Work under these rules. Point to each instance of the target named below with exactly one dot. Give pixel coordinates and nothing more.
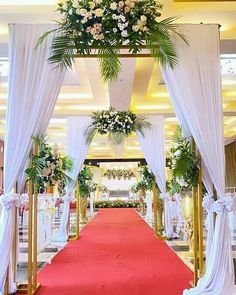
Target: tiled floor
(48, 253)
(180, 246)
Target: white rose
(91, 5)
(121, 4)
(75, 3)
(114, 16)
(143, 18)
(70, 11)
(124, 33)
(135, 28)
(113, 5)
(83, 11)
(115, 30)
(127, 2)
(98, 1)
(99, 12)
(64, 6)
(84, 20)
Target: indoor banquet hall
(118, 147)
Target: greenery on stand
(48, 167)
(104, 26)
(117, 124)
(117, 204)
(119, 173)
(86, 184)
(184, 165)
(146, 182)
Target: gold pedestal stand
(198, 255)
(157, 230)
(32, 285)
(76, 236)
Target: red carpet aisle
(117, 254)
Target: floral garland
(184, 165)
(119, 173)
(48, 167)
(117, 125)
(106, 25)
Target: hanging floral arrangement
(119, 174)
(117, 125)
(48, 167)
(183, 165)
(104, 26)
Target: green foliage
(104, 26)
(119, 173)
(147, 180)
(86, 184)
(184, 165)
(117, 204)
(47, 167)
(117, 125)
(102, 188)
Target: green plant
(86, 184)
(117, 125)
(117, 204)
(118, 173)
(104, 26)
(102, 188)
(184, 164)
(47, 167)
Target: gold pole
(30, 238)
(200, 221)
(155, 200)
(35, 231)
(77, 209)
(195, 228)
(6, 285)
(14, 246)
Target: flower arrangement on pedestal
(48, 167)
(117, 124)
(183, 165)
(119, 173)
(104, 26)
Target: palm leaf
(110, 65)
(62, 51)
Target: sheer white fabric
(76, 149)
(195, 89)
(148, 200)
(153, 146)
(33, 89)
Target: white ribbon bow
(10, 200)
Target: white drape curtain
(76, 149)
(33, 89)
(153, 146)
(195, 89)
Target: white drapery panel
(195, 90)
(33, 89)
(153, 146)
(76, 149)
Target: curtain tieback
(10, 200)
(223, 204)
(207, 202)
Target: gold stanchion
(200, 222)
(14, 245)
(77, 210)
(155, 192)
(195, 228)
(155, 201)
(35, 231)
(30, 239)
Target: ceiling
(83, 91)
